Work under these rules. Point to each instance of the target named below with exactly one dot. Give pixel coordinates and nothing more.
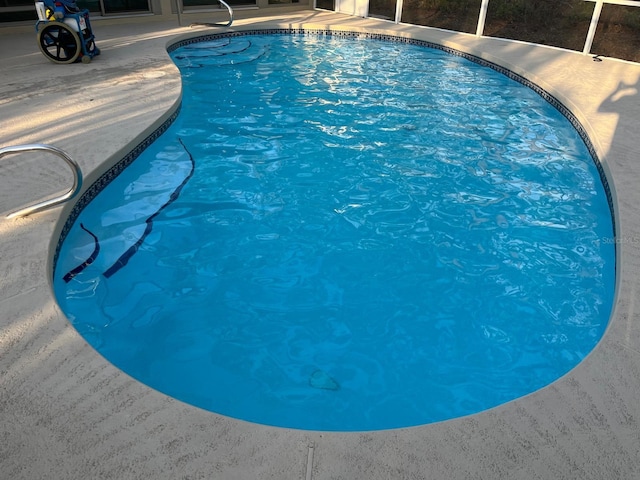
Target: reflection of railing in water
(180, 10)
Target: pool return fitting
(46, 204)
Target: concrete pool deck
(66, 413)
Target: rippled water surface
(346, 234)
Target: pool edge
(119, 161)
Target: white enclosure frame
(360, 8)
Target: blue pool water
(345, 234)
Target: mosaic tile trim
(114, 171)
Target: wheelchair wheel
(59, 43)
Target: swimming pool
(379, 324)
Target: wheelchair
(64, 32)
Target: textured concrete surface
(66, 413)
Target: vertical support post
(399, 5)
(482, 17)
(179, 10)
(595, 18)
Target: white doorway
(358, 8)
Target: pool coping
(88, 420)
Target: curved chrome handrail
(228, 24)
(72, 192)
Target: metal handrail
(72, 192)
(228, 24)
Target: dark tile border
(97, 186)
